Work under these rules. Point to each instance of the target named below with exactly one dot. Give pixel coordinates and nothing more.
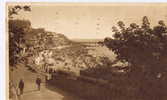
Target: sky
(90, 21)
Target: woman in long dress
(13, 91)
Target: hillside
(61, 53)
(48, 39)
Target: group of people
(21, 86)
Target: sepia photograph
(86, 51)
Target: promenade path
(30, 90)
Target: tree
(135, 44)
(14, 10)
(17, 30)
(145, 48)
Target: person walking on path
(38, 82)
(12, 91)
(21, 86)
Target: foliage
(144, 47)
(14, 10)
(17, 30)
